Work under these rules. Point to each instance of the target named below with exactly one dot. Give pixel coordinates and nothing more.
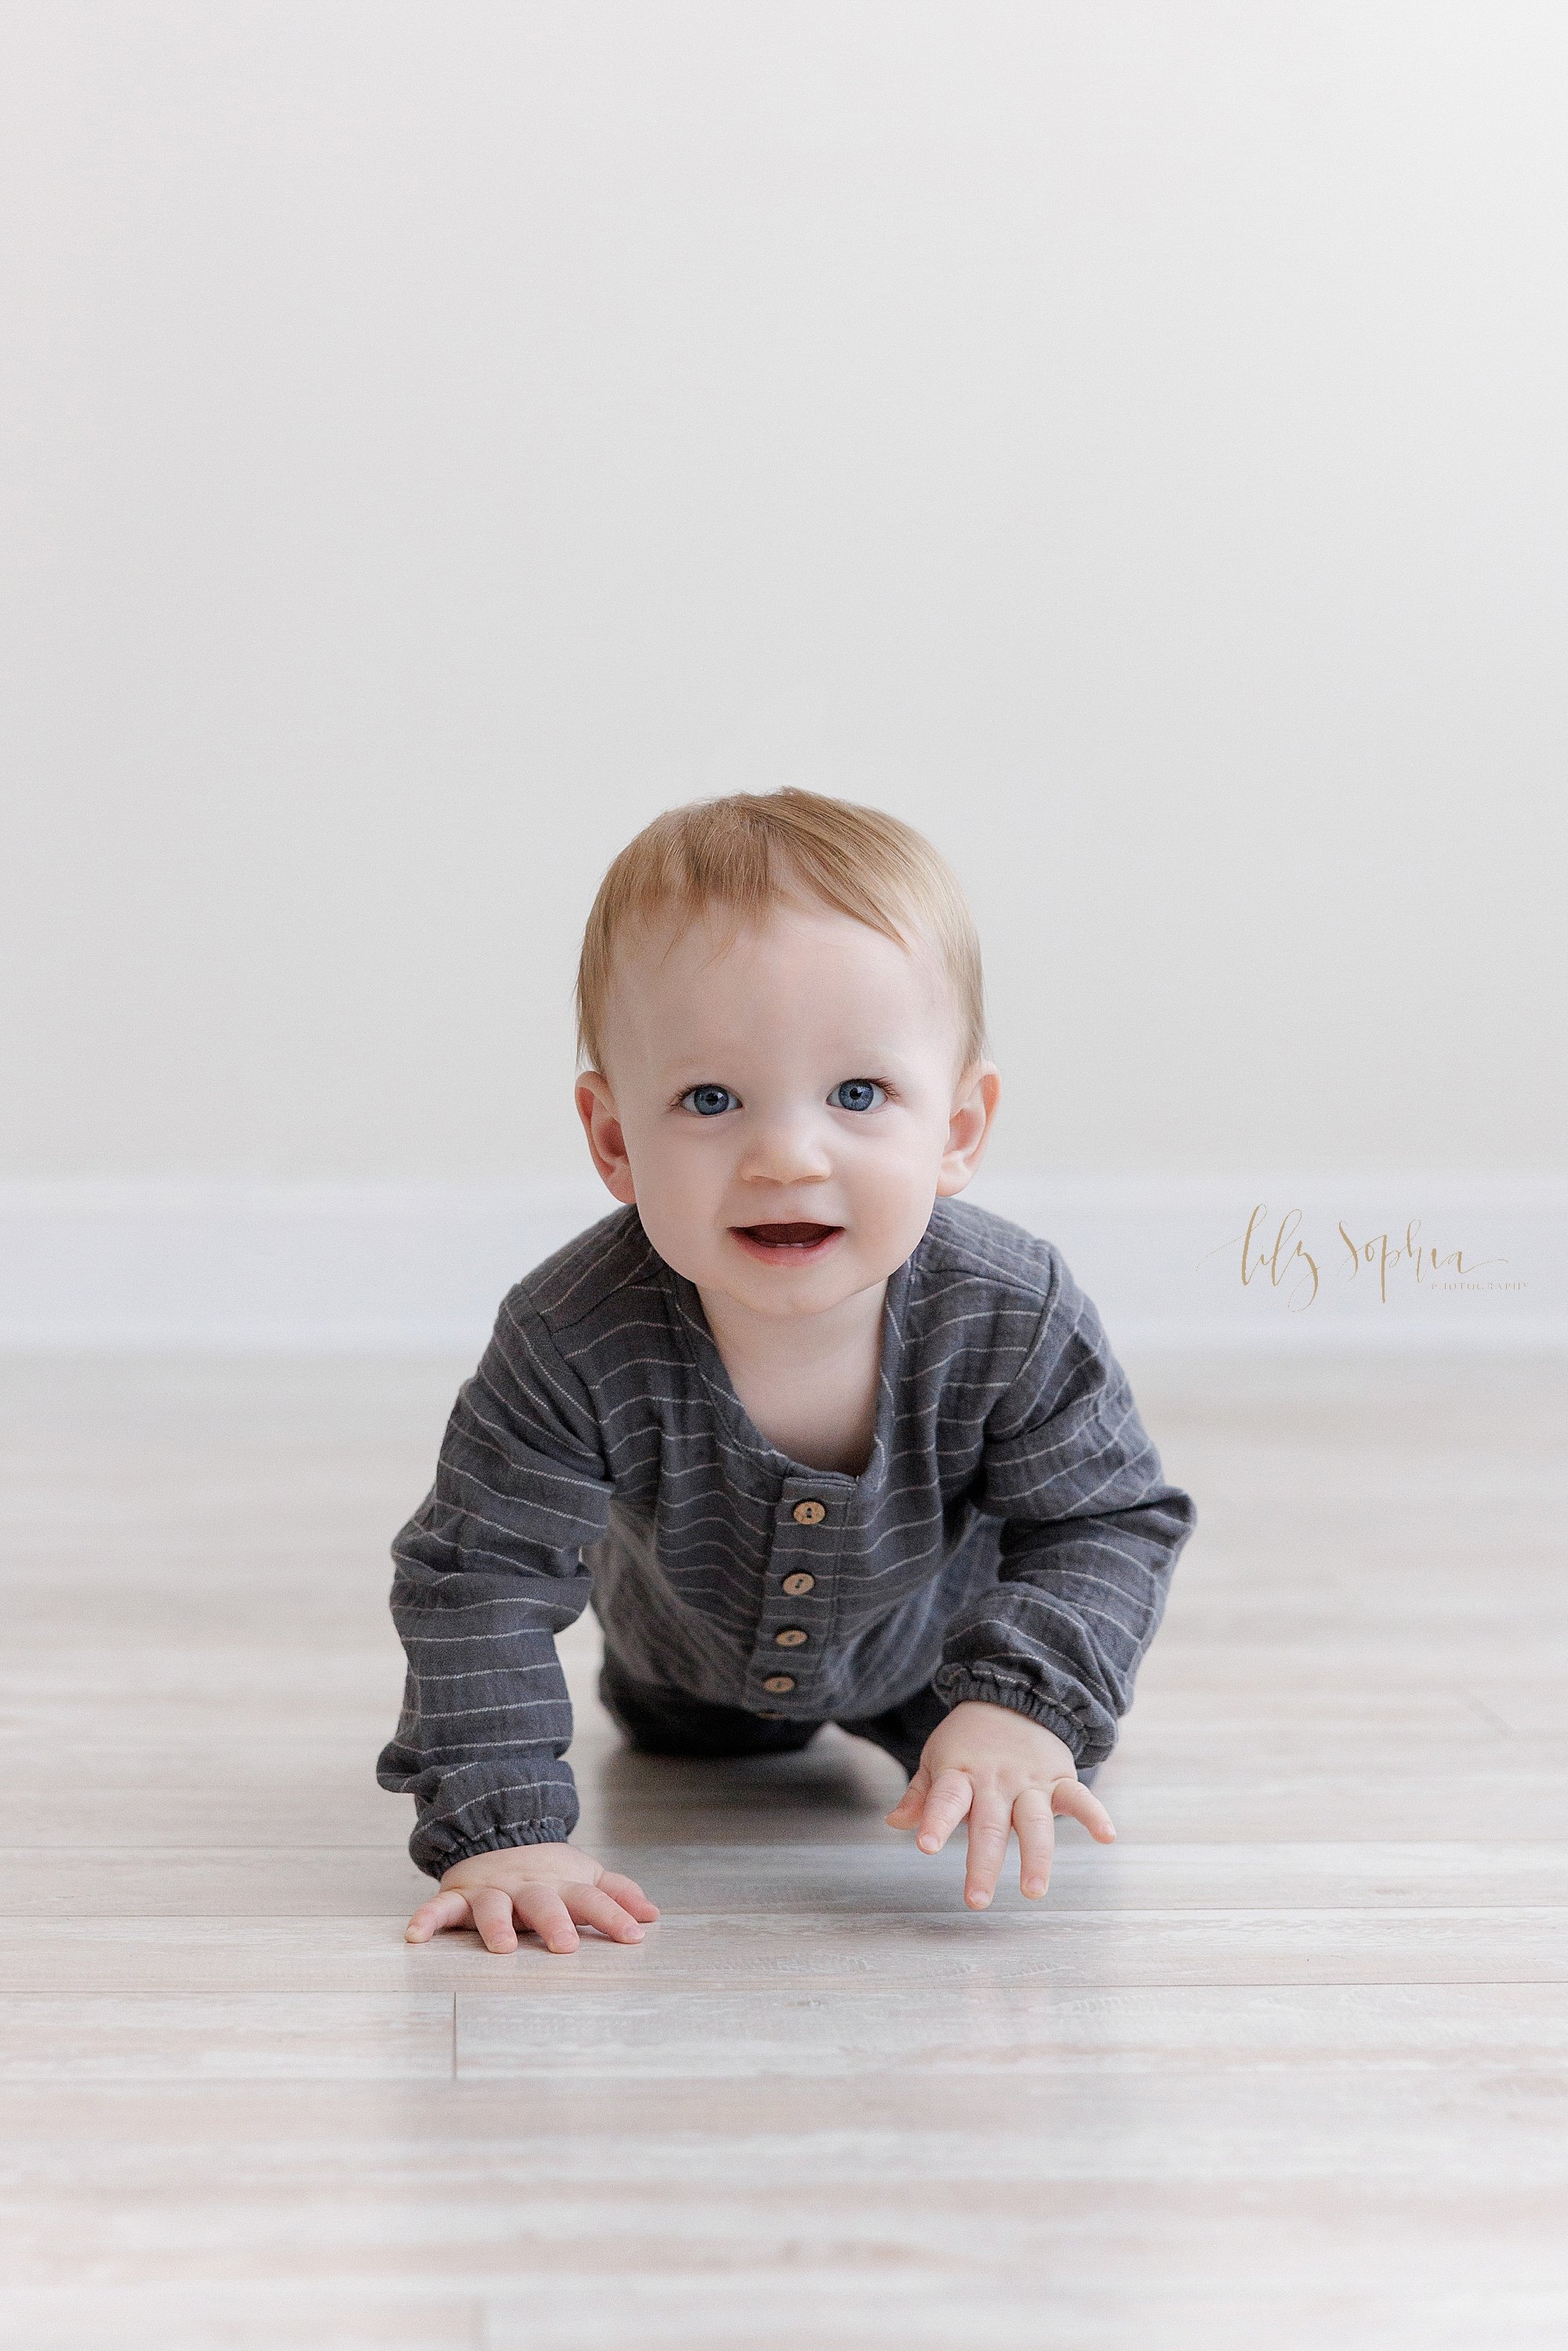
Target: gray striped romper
(1011, 1539)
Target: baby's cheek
(672, 1216)
(890, 1214)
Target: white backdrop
(1124, 439)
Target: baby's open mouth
(791, 1236)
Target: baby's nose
(787, 1150)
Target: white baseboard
(413, 1266)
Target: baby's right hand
(547, 1887)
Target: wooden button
(809, 1514)
(780, 1683)
(800, 1582)
(791, 1638)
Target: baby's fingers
(1037, 1841)
(492, 1912)
(911, 1803)
(630, 1895)
(950, 1798)
(441, 1910)
(989, 1826)
(1073, 1796)
(590, 1905)
(541, 1908)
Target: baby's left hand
(1004, 1773)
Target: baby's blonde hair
(750, 850)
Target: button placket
(796, 1605)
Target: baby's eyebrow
(862, 1065)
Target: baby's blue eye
(855, 1093)
(708, 1101)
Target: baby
(822, 1443)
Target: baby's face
(785, 1112)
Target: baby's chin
(788, 1277)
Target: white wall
(1125, 439)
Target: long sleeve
(488, 1570)
(1090, 1535)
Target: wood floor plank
(1272, 2294)
(1012, 1943)
(144, 2138)
(225, 2036)
(254, 2314)
(1087, 1875)
(323, 1882)
(854, 2310)
(1243, 1799)
(362, 2165)
(1527, 1798)
(655, 2033)
(1387, 2174)
(338, 1808)
(214, 1881)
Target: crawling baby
(820, 1441)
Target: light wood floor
(1287, 2066)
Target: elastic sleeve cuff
(437, 1853)
(1085, 1741)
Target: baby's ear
(606, 1141)
(975, 1100)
